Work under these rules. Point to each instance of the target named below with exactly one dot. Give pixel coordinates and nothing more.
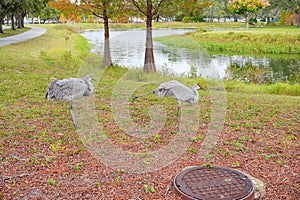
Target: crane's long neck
(194, 89)
(89, 84)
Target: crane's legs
(73, 116)
(178, 115)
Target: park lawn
(42, 156)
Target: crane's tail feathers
(136, 97)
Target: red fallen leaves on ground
(26, 176)
(42, 162)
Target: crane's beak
(201, 88)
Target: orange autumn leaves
(70, 11)
(246, 6)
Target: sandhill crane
(178, 91)
(70, 89)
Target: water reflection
(264, 70)
(127, 49)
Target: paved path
(32, 33)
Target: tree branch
(156, 10)
(139, 7)
(94, 6)
(291, 6)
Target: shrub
(252, 21)
(179, 18)
(188, 19)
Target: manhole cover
(212, 183)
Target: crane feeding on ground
(70, 89)
(178, 91)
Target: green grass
(27, 68)
(275, 40)
(27, 74)
(199, 26)
(10, 32)
(277, 88)
(156, 25)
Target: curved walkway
(32, 33)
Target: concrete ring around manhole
(213, 183)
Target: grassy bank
(281, 40)
(275, 89)
(181, 25)
(27, 67)
(164, 25)
(156, 25)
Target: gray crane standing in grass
(178, 91)
(70, 89)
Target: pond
(128, 47)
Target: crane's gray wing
(70, 89)
(176, 90)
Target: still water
(128, 47)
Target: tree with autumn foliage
(151, 9)
(70, 11)
(104, 9)
(246, 7)
(294, 7)
(287, 8)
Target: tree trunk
(1, 23)
(13, 26)
(149, 63)
(247, 21)
(20, 21)
(298, 3)
(106, 55)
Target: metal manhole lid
(212, 183)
